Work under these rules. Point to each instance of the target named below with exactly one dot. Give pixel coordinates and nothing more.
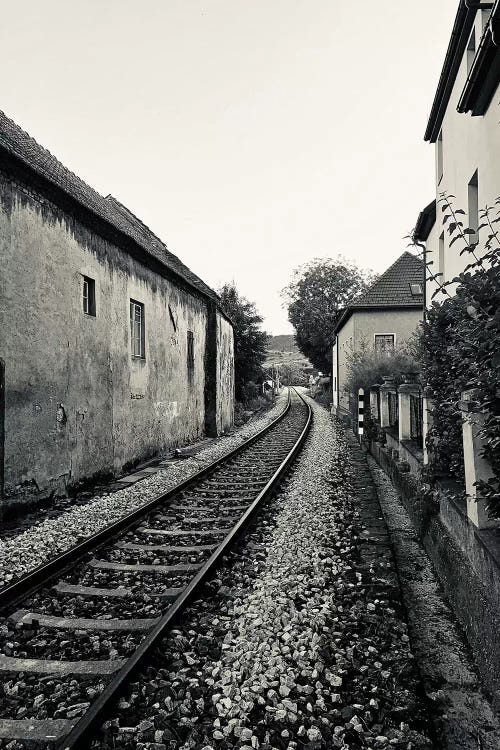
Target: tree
(319, 290)
(250, 342)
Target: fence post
(476, 467)
(405, 390)
(427, 418)
(386, 387)
(361, 412)
(374, 401)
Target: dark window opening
(473, 201)
(439, 145)
(137, 329)
(190, 354)
(172, 319)
(89, 296)
(384, 343)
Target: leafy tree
(319, 290)
(250, 342)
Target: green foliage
(318, 291)
(367, 367)
(293, 374)
(460, 350)
(250, 342)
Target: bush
(460, 352)
(366, 367)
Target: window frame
(190, 355)
(441, 258)
(140, 326)
(88, 299)
(381, 335)
(473, 208)
(439, 156)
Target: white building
(464, 126)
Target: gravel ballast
(301, 641)
(23, 552)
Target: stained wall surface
(78, 404)
(360, 329)
(225, 374)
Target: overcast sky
(250, 135)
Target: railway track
(75, 630)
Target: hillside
(283, 350)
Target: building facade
(464, 128)
(113, 349)
(384, 317)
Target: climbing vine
(460, 349)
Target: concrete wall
(77, 403)
(469, 144)
(360, 331)
(225, 374)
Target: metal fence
(416, 418)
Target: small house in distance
(384, 316)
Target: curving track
(81, 625)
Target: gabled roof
(484, 75)
(26, 150)
(392, 289)
(425, 222)
(462, 28)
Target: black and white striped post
(361, 412)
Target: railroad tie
(165, 547)
(35, 729)
(80, 623)
(59, 667)
(182, 532)
(69, 588)
(180, 568)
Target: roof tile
(20, 144)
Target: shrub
(460, 351)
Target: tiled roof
(392, 288)
(20, 144)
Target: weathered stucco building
(463, 126)
(384, 317)
(113, 349)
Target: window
(416, 290)
(439, 145)
(88, 296)
(190, 354)
(471, 50)
(137, 329)
(441, 258)
(384, 343)
(473, 209)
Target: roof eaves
(484, 75)
(416, 305)
(425, 222)
(97, 206)
(458, 42)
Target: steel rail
(79, 737)
(42, 574)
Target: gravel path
(302, 642)
(22, 552)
